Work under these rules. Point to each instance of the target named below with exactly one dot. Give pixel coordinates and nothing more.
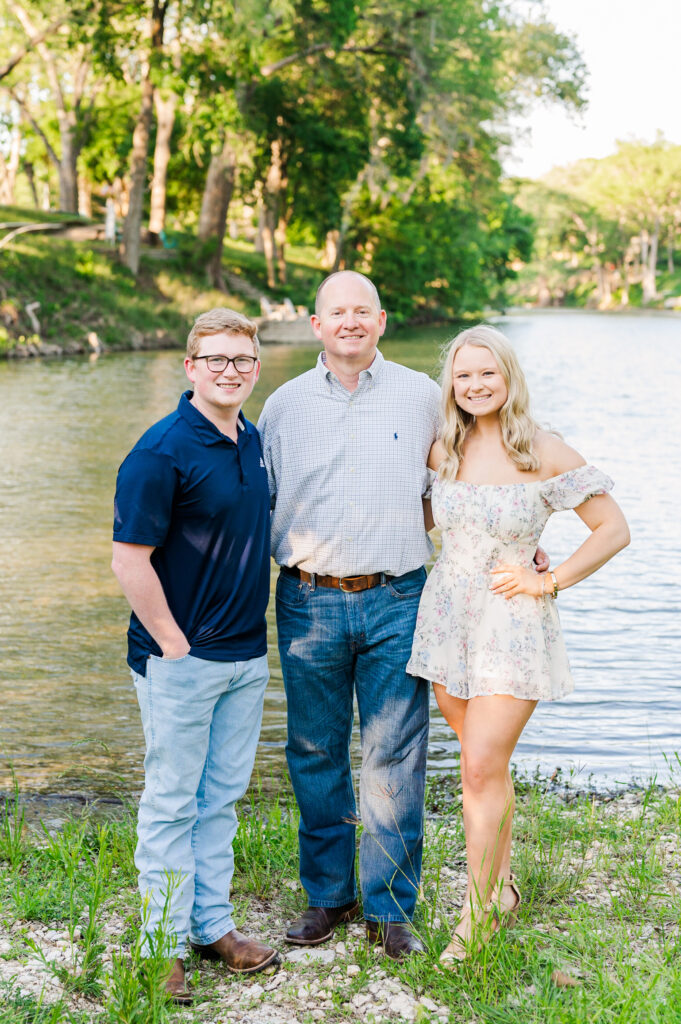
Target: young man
(346, 446)
(191, 552)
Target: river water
(69, 719)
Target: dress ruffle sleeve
(574, 487)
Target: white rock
(353, 970)
(404, 1006)
(275, 982)
(309, 956)
(429, 1004)
(340, 948)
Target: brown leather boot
(176, 985)
(317, 924)
(397, 939)
(240, 954)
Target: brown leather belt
(348, 584)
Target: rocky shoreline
(344, 980)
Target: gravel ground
(340, 979)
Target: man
(191, 552)
(345, 446)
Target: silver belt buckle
(342, 580)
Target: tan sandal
(459, 949)
(508, 917)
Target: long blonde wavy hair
(517, 425)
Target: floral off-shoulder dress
(474, 642)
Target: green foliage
(25, 1009)
(266, 843)
(363, 105)
(605, 228)
(454, 255)
(136, 990)
(81, 287)
(12, 847)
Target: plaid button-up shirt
(347, 470)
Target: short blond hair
(221, 321)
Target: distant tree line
(606, 229)
(369, 130)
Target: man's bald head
(319, 299)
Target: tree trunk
(649, 244)
(670, 251)
(131, 241)
(269, 250)
(259, 243)
(217, 196)
(10, 169)
(68, 178)
(165, 119)
(331, 246)
(603, 286)
(274, 226)
(84, 197)
(30, 174)
(280, 240)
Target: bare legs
(488, 729)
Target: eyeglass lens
(241, 363)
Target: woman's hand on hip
(510, 580)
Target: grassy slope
(81, 287)
(600, 881)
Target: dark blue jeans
(333, 644)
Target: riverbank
(61, 294)
(68, 294)
(597, 938)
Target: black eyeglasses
(216, 364)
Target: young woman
(487, 633)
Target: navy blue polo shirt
(202, 501)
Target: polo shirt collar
(372, 371)
(206, 430)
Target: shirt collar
(372, 371)
(206, 430)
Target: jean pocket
(169, 661)
(408, 586)
(290, 592)
(168, 670)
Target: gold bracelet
(554, 594)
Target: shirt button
(352, 469)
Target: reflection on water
(70, 720)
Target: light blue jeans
(334, 645)
(201, 722)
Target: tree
(131, 240)
(64, 67)
(22, 50)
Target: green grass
(601, 885)
(23, 215)
(82, 287)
